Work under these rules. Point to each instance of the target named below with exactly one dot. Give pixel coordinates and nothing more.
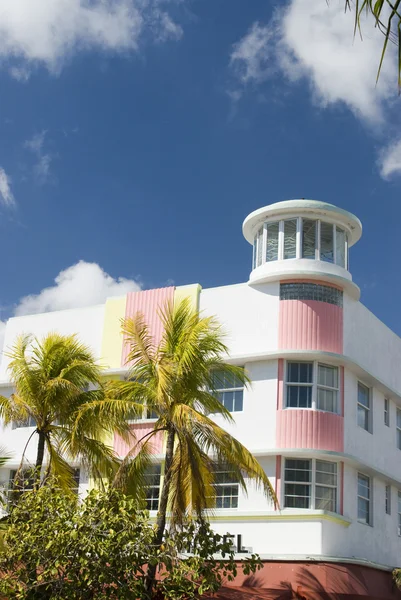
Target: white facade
(266, 331)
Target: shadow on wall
(318, 581)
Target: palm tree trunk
(162, 512)
(39, 456)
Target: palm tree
(51, 380)
(176, 380)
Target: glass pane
(399, 439)
(327, 400)
(272, 242)
(363, 510)
(327, 376)
(308, 238)
(326, 242)
(228, 400)
(238, 400)
(292, 396)
(305, 396)
(305, 372)
(325, 498)
(290, 238)
(363, 486)
(255, 243)
(398, 418)
(260, 247)
(297, 470)
(293, 372)
(363, 395)
(295, 463)
(399, 502)
(340, 247)
(363, 417)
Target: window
(23, 480)
(226, 488)
(304, 391)
(398, 428)
(327, 388)
(364, 497)
(340, 247)
(260, 246)
(309, 238)
(363, 406)
(229, 390)
(152, 477)
(29, 422)
(387, 412)
(310, 483)
(388, 499)
(290, 238)
(311, 291)
(326, 242)
(399, 513)
(272, 230)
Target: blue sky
(136, 135)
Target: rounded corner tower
(304, 240)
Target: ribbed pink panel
(312, 429)
(310, 325)
(280, 383)
(148, 303)
(138, 431)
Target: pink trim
(312, 429)
(138, 431)
(280, 383)
(310, 325)
(342, 390)
(278, 480)
(149, 304)
(341, 503)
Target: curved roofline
(301, 207)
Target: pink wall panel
(148, 303)
(310, 325)
(138, 431)
(310, 429)
(280, 383)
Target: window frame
(366, 408)
(398, 428)
(260, 241)
(387, 499)
(387, 412)
(313, 484)
(314, 385)
(222, 391)
(368, 499)
(158, 486)
(220, 485)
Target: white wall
(248, 314)
(372, 344)
(86, 322)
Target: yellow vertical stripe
(191, 291)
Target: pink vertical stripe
(280, 383)
(310, 429)
(310, 325)
(149, 304)
(278, 480)
(139, 430)
(341, 500)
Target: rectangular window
(399, 513)
(327, 388)
(364, 499)
(29, 422)
(272, 241)
(229, 390)
(152, 477)
(387, 412)
(310, 483)
(226, 487)
(388, 499)
(308, 238)
(290, 238)
(364, 407)
(311, 291)
(326, 242)
(340, 247)
(398, 428)
(260, 247)
(299, 385)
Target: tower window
(311, 291)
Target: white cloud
(390, 160)
(6, 195)
(82, 284)
(44, 159)
(315, 41)
(48, 32)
